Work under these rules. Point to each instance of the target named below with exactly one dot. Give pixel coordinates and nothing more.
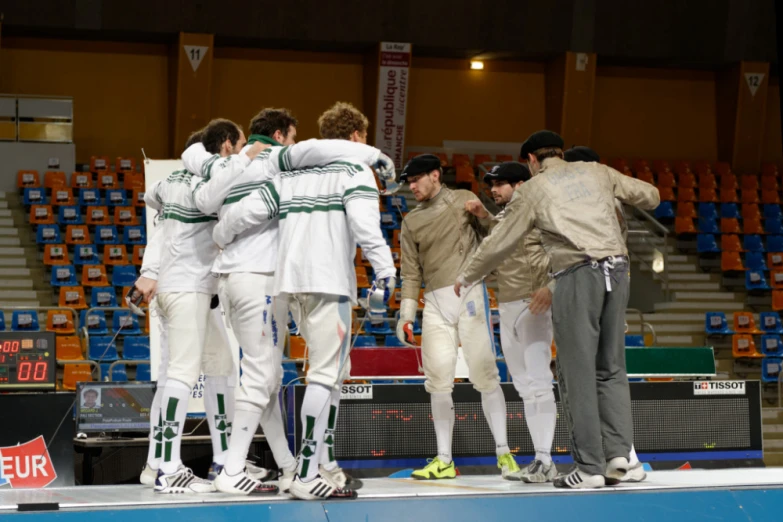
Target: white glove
(408, 309)
(387, 175)
(193, 158)
(379, 294)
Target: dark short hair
(90, 390)
(217, 132)
(268, 121)
(195, 137)
(549, 152)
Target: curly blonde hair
(341, 120)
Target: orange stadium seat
(686, 194)
(56, 255)
(745, 323)
(107, 181)
(647, 177)
(502, 158)
(752, 226)
(362, 281)
(728, 196)
(114, 255)
(98, 216)
(666, 179)
(701, 166)
(749, 182)
(729, 182)
(478, 159)
(681, 166)
(69, 348)
(360, 259)
(769, 169)
(769, 182)
(776, 279)
(41, 215)
(460, 159)
(125, 216)
(684, 225)
(770, 197)
(639, 165)
(687, 209)
(707, 180)
(722, 168)
(750, 211)
(125, 165)
(94, 275)
(743, 346)
(661, 166)
(730, 226)
(395, 238)
(708, 195)
(444, 159)
(731, 261)
(138, 254)
(617, 164)
(74, 373)
(60, 322)
(77, 235)
(297, 347)
(55, 179)
(80, 180)
(667, 194)
(396, 299)
(62, 196)
(777, 300)
(72, 297)
(750, 196)
(396, 256)
(133, 182)
(687, 180)
(775, 259)
(138, 198)
(27, 179)
(730, 243)
(99, 163)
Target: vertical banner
(157, 170)
(393, 79)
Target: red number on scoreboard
(14, 346)
(10, 347)
(39, 374)
(23, 373)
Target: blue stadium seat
(2, 321)
(755, 280)
(143, 372)
(47, 234)
(775, 243)
(634, 340)
(128, 321)
(134, 235)
(116, 198)
(95, 322)
(34, 196)
(708, 210)
(392, 341)
(136, 348)
(103, 296)
(365, 340)
(708, 226)
(771, 346)
(495, 319)
(377, 324)
(665, 211)
(752, 243)
(706, 244)
(24, 321)
(107, 235)
(773, 226)
(769, 322)
(770, 369)
(290, 372)
(730, 211)
(398, 203)
(85, 255)
(389, 220)
(124, 275)
(101, 350)
(755, 261)
(118, 374)
(772, 211)
(503, 370)
(90, 198)
(716, 324)
(70, 215)
(416, 326)
(63, 275)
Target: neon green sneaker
(508, 466)
(435, 470)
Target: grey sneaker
(538, 473)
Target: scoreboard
(27, 361)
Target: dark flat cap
(420, 165)
(510, 171)
(581, 154)
(543, 139)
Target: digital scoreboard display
(105, 407)
(27, 361)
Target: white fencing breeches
(450, 321)
(325, 323)
(247, 299)
(526, 339)
(184, 316)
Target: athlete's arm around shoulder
(633, 191)
(256, 209)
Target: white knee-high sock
(541, 417)
(327, 459)
(443, 419)
(494, 405)
(274, 431)
(174, 407)
(156, 447)
(634, 458)
(216, 408)
(315, 413)
(246, 419)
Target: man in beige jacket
(437, 238)
(572, 204)
(526, 337)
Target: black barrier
(702, 420)
(29, 422)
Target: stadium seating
(41, 215)
(72, 297)
(106, 235)
(74, 373)
(102, 348)
(124, 275)
(716, 324)
(69, 215)
(755, 280)
(55, 180)
(25, 321)
(115, 198)
(98, 215)
(27, 179)
(94, 275)
(34, 196)
(77, 235)
(745, 324)
(68, 348)
(103, 296)
(138, 254)
(90, 197)
(95, 322)
(85, 255)
(56, 255)
(143, 372)
(136, 348)
(63, 196)
(134, 235)
(126, 320)
(706, 244)
(743, 346)
(60, 322)
(770, 369)
(771, 345)
(80, 180)
(64, 275)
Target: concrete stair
(22, 280)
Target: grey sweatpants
(589, 325)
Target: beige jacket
(573, 206)
(437, 239)
(526, 269)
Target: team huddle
(264, 226)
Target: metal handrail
(131, 362)
(653, 223)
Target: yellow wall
(120, 100)
(772, 147)
(243, 86)
(465, 105)
(654, 114)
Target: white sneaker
(319, 488)
(148, 475)
(243, 484)
(617, 468)
(635, 473)
(536, 473)
(259, 473)
(182, 481)
(284, 481)
(340, 478)
(578, 480)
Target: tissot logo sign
(719, 388)
(356, 391)
(27, 465)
